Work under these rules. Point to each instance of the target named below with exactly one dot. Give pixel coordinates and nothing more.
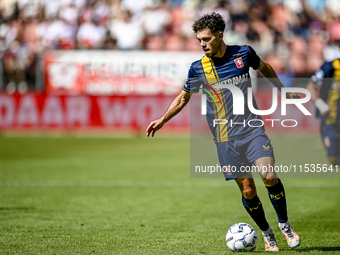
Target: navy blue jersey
(327, 79)
(231, 69)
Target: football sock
(282, 225)
(255, 210)
(268, 231)
(278, 198)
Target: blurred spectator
(299, 34)
(51, 8)
(127, 32)
(266, 36)
(238, 34)
(303, 19)
(15, 62)
(29, 8)
(101, 12)
(279, 19)
(334, 7)
(238, 9)
(8, 9)
(29, 35)
(285, 75)
(294, 6)
(259, 9)
(55, 30)
(174, 42)
(155, 20)
(79, 4)
(318, 6)
(136, 7)
(316, 47)
(90, 35)
(297, 55)
(334, 31)
(69, 14)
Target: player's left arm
(268, 72)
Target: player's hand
(292, 95)
(153, 127)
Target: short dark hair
(214, 21)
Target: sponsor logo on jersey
(233, 81)
(266, 148)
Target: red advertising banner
(46, 111)
(116, 72)
(33, 111)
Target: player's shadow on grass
(16, 208)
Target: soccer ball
(241, 237)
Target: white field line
(135, 183)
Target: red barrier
(43, 111)
(32, 111)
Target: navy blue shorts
(237, 156)
(331, 144)
(331, 138)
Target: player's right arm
(175, 107)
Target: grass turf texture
(68, 195)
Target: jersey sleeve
(254, 59)
(193, 82)
(324, 72)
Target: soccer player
(325, 93)
(237, 145)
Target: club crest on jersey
(239, 62)
(226, 169)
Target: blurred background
(118, 63)
(80, 80)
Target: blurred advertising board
(71, 112)
(31, 111)
(116, 72)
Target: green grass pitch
(87, 195)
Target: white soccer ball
(241, 237)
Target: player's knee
(269, 181)
(249, 193)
